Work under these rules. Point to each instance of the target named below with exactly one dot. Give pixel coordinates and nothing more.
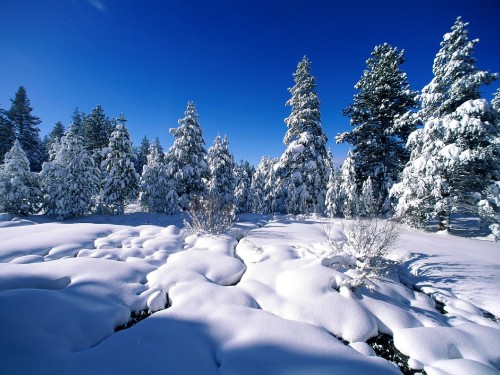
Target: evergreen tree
(382, 120)
(70, 180)
(121, 181)
(496, 101)
(142, 153)
(19, 190)
(367, 201)
(453, 163)
(264, 187)
(243, 193)
(157, 189)
(54, 136)
(97, 128)
(332, 194)
(221, 164)
(7, 134)
(304, 161)
(187, 157)
(456, 78)
(348, 196)
(77, 122)
(26, 128)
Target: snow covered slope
(260, 299)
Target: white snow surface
(260, 299)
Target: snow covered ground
(257, 300)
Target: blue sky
(233, 58)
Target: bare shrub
(209, 215)
(363, 250)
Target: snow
(262, 298)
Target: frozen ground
(258, 300)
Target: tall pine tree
(26, 129)
(221, 184)
(7, 134)
(120, 184)
(382, 121)
(97, 128)
(187, 157)
(303, 163)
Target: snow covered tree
(496, 101)
(332, 194)
(456, 78)
(157, 189)
(243, 187)
(54, 136)
(367, 201)
(382, 120)
(19, 189)
(97, 128)
(221, 164)
(304, 161)
(187, 157)
(264, 187)
(7, 134)
(77, 122)
(348, 195)
(70, 180)
(453, 162)
(121, 182)
(142, 153)
(26, 128)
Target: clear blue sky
(233, 58)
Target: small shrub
(363, 250)
(209, 215)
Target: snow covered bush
(363, 250)
(19, 189)
(209, 215)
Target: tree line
(419, 156)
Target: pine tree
(7, 134)
(26, 128)
(264, 187)
(332, 208)
(77, 122)
(382, 120)
(453, 163)
(348, 196)
(456, 78)
(243, 190)
(187, 157)
(221, 164)
(70, 180)
(97, 128)
(367, 201)
(157, 189)
(142, 153)
(304, 161)
(121, 181)
(496, 101)
(19, 189)
(54, 136)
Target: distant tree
(304, 161)
(77, 122)
(348, 195)
(496, 101)
(26, 128)
(97, 128)
(243, 190)
(19, 189)
(7, 134)
(381, 115)
(456, 78)
(333, 194)
(142, 153)
(121, 182)
(264, 187)
(70, 180)
(367, 201)
(157, 190)
(187, 157)
(221, 183)
(54, 136)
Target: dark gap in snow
(136, 317)
(490, 316)
(345, 342)
(383, 345)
